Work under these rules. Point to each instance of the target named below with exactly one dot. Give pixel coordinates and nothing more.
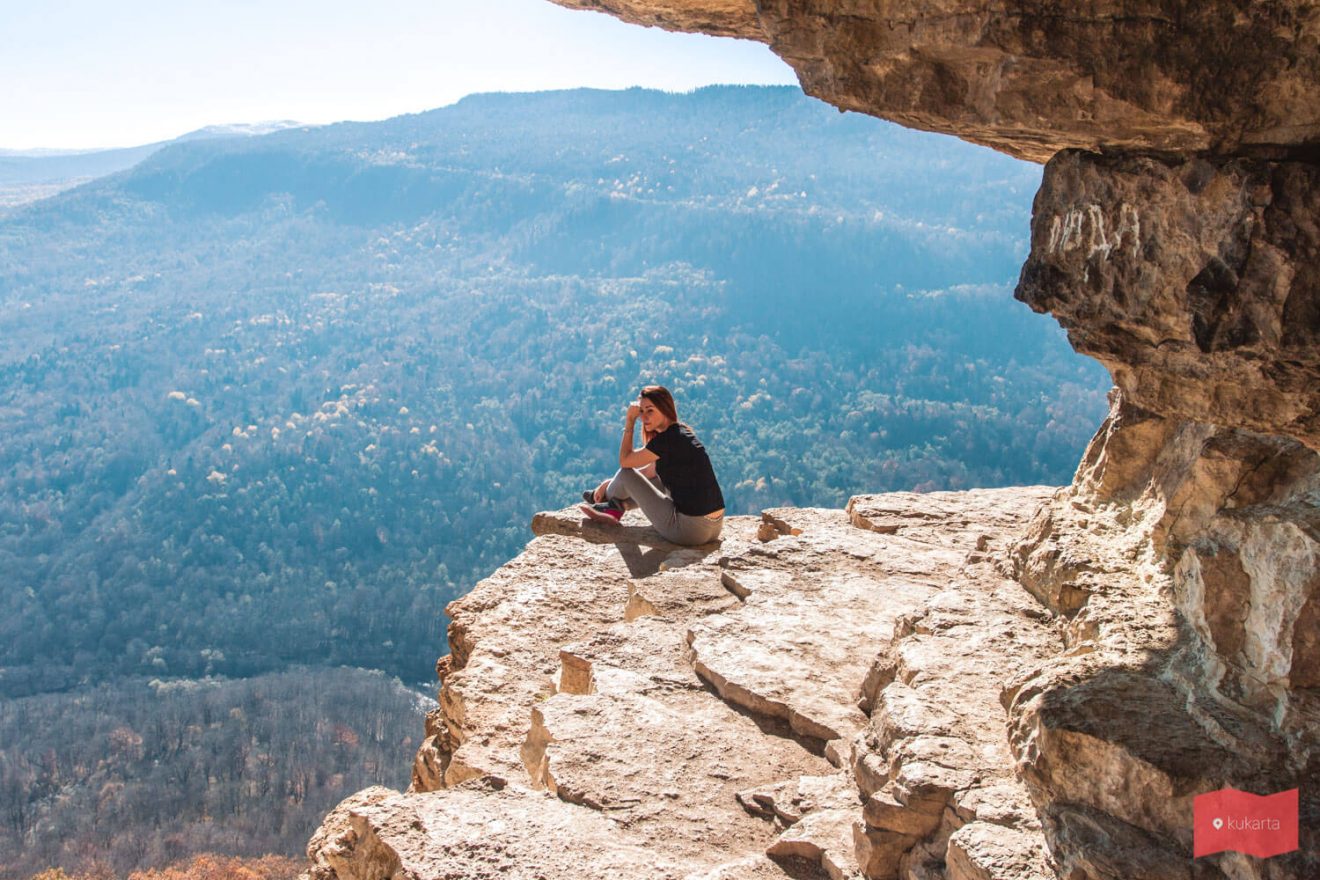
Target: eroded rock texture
(1031, 78)
(817, 695)
(1183, 560)
(926, 687)
(1185, 554)
(719, 18)
(1195, 281)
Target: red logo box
(1258, 825)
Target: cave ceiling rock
(1032, 78)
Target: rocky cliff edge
(1003, 684)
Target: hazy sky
(92, 73)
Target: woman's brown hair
(664, 401)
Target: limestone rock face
(1183, 561)
(479, 830)
(1195, 281)
(1014, 684)
(932, 761)
(815, 695)
(1032, 78)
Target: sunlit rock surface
(818, 692)
(1009, 684)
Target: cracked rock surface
(815, 695)
(1182, 565)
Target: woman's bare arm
(628, 456)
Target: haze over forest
(268, 403)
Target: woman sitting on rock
(670, 478)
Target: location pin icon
(1218, 823)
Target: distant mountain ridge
(49, 168)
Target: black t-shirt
(685, 470)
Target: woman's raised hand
(635, 411)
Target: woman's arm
(629, 457)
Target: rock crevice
(843, 715)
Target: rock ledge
(817, 694)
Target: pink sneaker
(608, 512)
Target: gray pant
(630, 486)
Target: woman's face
(653, 420)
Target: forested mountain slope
(275, 400)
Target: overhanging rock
(1032, 78)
